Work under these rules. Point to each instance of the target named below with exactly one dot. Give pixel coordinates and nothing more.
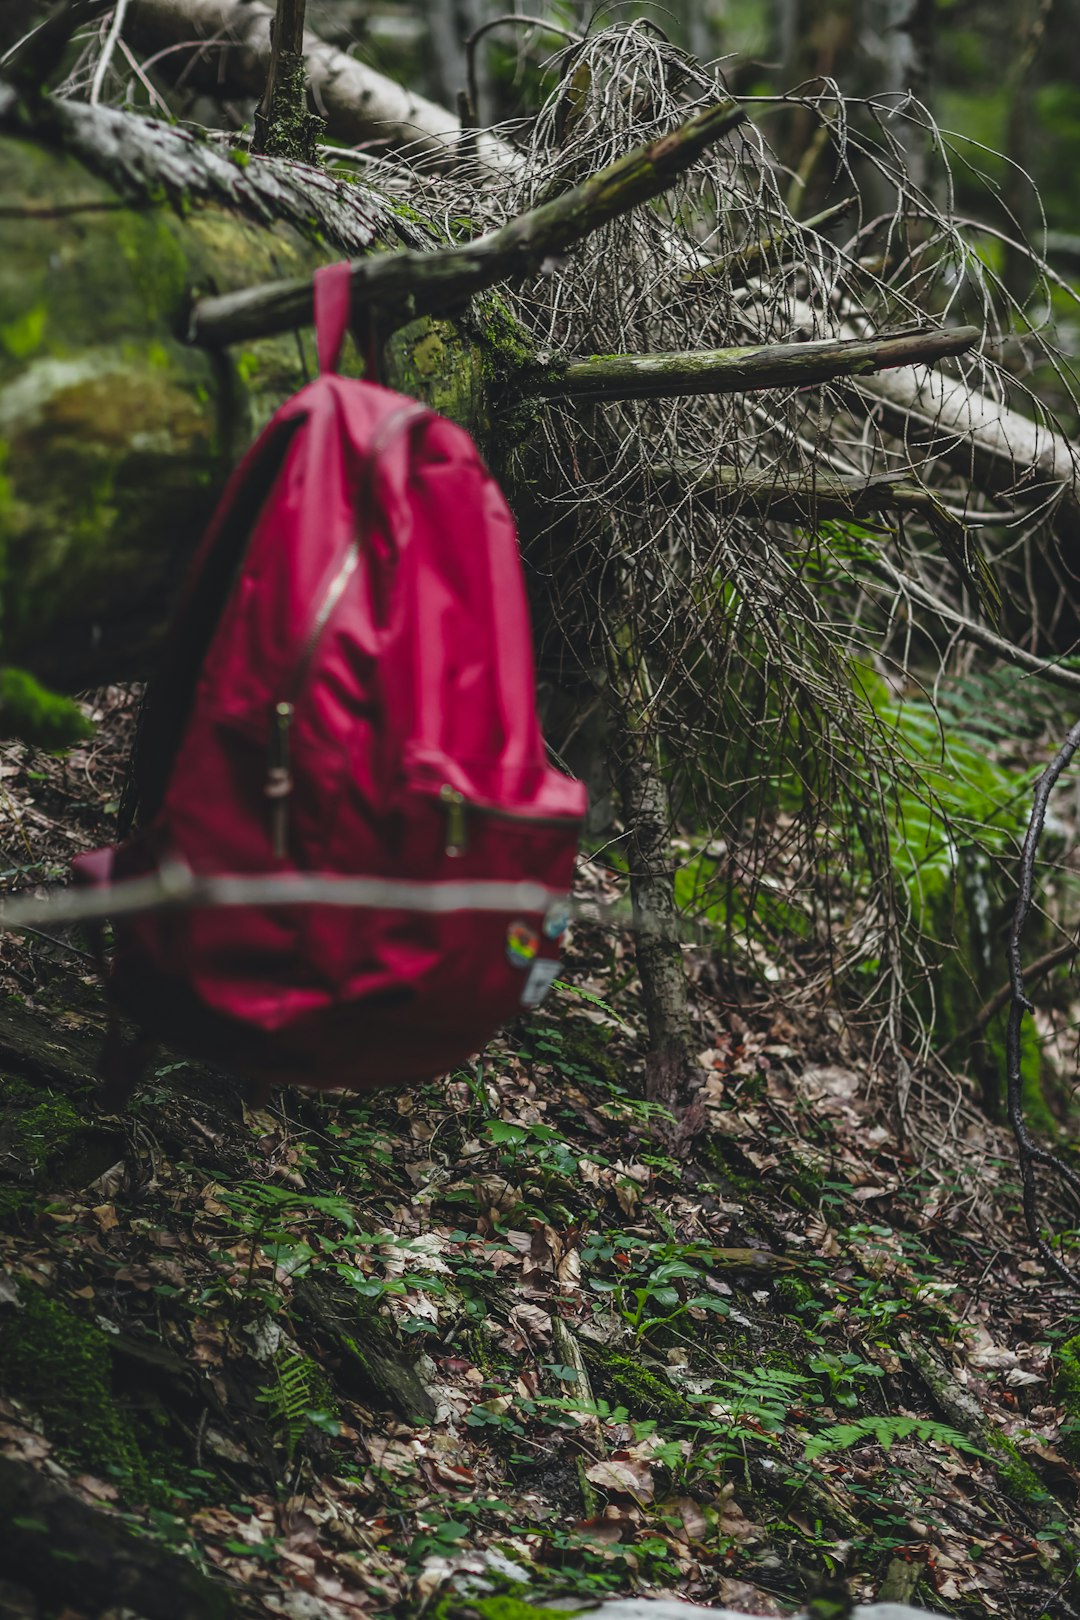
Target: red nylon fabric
(333, 297)
(408, 664)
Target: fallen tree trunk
(407, 284)
(225, 45)
(233, 50)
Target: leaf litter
(500, 1332)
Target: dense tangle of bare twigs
(778, 659)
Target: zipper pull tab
(456, 830)
(279, 782)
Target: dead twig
(104, 61)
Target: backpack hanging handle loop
(333, 302)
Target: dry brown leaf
(625, 1475)
(532, 1324)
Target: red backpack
(347, 689)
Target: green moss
(293, 131)
(1067, 1394)
(44, 1132)
(508, 364)
(1019, 1480)
(428, 353)
(61, 1368)
(430, 360)
(794, 1295)
(506, 1607)
(33, 714)
(23, 336)
(16, 1206)
(643, 1393)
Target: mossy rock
(43, 1132)
(33, 714)
(61, 1367)
(115, 433)
(17, 1207)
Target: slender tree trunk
(1021, 137)
(647, 814)
(871, 48)
(647, 819)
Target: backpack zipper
(279, 780)
(278, 786)
(459, 809)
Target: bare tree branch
(409, 284)
(733, 371)
(970, 630)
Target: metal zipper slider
(279, 782)
(456, 830)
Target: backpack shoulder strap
(333, 304)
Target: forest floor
(505, 1338)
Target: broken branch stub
(729, 371)
(407, 284)
(283, 125)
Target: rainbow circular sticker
(522, 944)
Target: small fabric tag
(542, 975)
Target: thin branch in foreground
(1029, 1152)
(174, 886)
(742, 370)
(993, 1004)
(407, 284)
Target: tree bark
(648, 824)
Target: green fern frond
(885, 1430)
(289, 1399)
